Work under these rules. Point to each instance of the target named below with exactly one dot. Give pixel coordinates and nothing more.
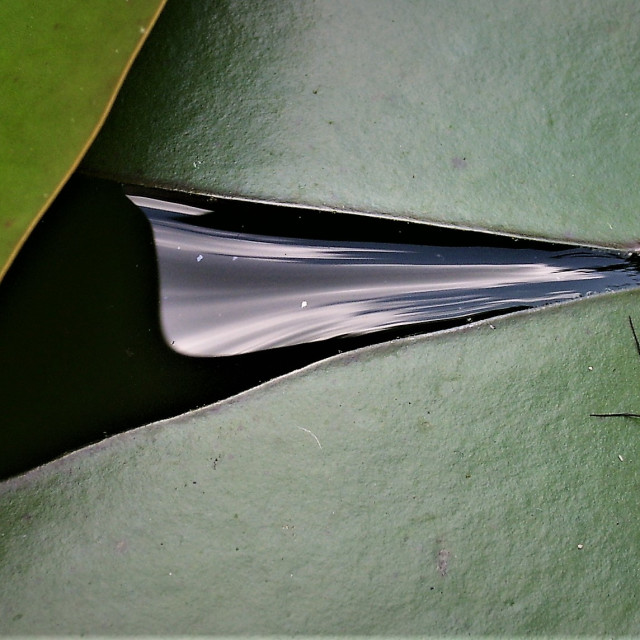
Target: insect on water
(623, 414)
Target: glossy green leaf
(453, 484)
(508, 116)
(61, 63)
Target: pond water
(80, 328)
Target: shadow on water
(82, 349)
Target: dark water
(83, 353)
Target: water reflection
(225, 293)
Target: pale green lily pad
(60, 66)
(450, 484)
(513, 117)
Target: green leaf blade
(512, 118)
(443, 485)
(60, 67)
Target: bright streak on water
(226, 293)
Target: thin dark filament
(615, 415)
(635, 335)
(623, 414)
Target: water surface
(227, 292)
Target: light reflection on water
(225, 293)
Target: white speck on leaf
(620, 458)
(199, 257)
(304, 304)
(311, 434)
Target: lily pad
(513, 117)
(60, 66)
(450, 484)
